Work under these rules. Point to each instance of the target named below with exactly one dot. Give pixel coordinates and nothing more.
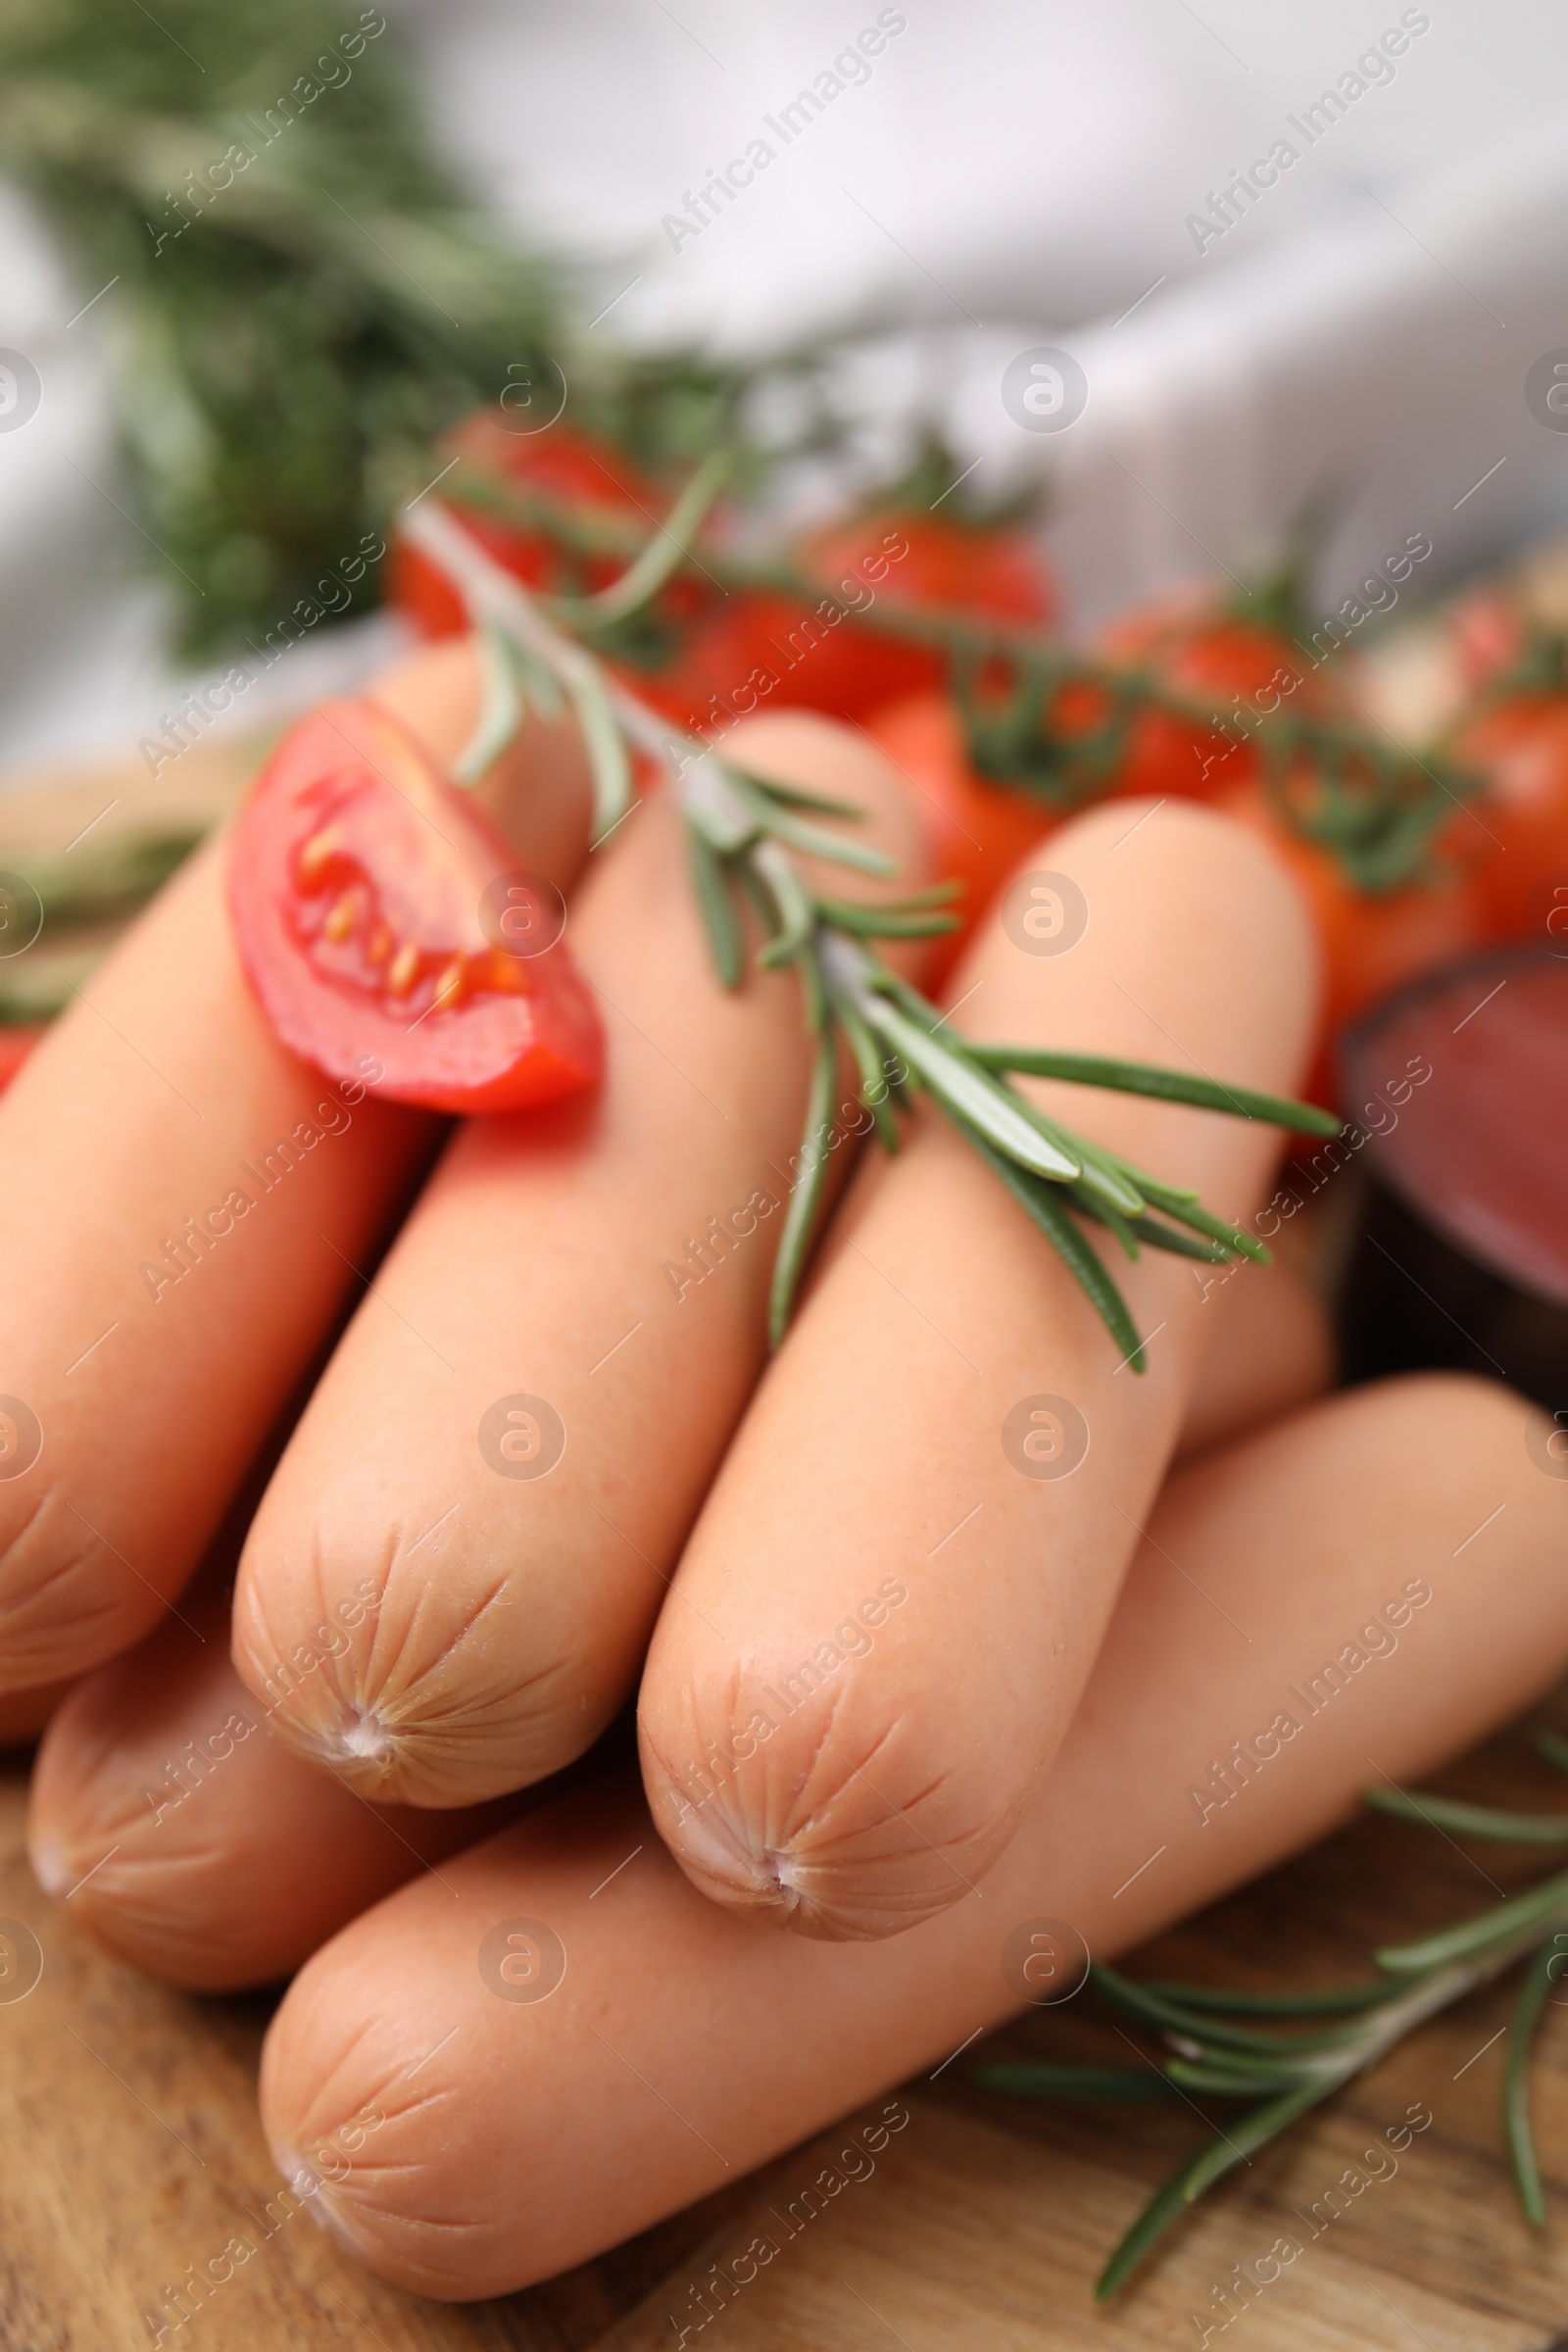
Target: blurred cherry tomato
(979, 829)
(1371, 941)
(757, 650)
(1242, 668)
(567, 468)
(907, 560)
(17, 1040)
(358, 885)
(1520, 744)
(764, 646)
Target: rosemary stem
(493, 595)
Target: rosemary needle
(1282, 2074)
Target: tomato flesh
(356, 881)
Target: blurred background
(1354, 337)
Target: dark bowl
(1456, 1094)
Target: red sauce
(1478, 1149)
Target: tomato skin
(568, 469)
(421, 591)
(758, 649)
(1194, 645)
(768, 650)
(766, 645)
(1520, 744)
(17, 1040)
(921, 561)
(1371, 941)
(978, 829)
(355, 880)
(927, 561)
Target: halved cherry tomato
(559, 467)
(1243, 669)
(979, 829)
(1520, 744)
(765, 646)
(356, 880)
(1371, 940)
(17, 1040)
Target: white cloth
(1364, 324)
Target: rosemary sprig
(662, 556)
(1534, 1988)
(745, 838)
(1372, 805)
(1282, 2075)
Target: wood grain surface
(130, 2152)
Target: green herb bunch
(290, 334)
(286, 332)
(278, 336)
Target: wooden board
(130, 2150)
(43, 809)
